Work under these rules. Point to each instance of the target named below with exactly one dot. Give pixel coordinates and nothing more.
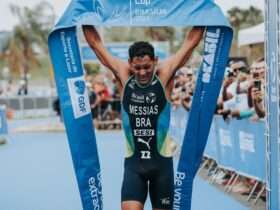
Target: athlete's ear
(156, 60)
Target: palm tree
(243, 18)
(254, 17)
(32, 31)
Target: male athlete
(145, 86)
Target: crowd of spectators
(242, 92)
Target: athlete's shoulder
(160, 75)
(123, 73)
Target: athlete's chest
(147, 101)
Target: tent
(252, 35)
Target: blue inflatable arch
(66, 59)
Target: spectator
(257, 88)
(188, 88)
(116, 95)
(177, 89)
(22, 87)
(56, 106)
(94, 99)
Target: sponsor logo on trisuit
(137, 98)
(151, 98)
(147, 143)
(165, 201)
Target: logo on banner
(211, 45)
(79, 97)
(225, 137)
(80, 87)
(143, 2)
(95, 191)
(144, 11)
(179, 178)
(247, 141)
(99, 8)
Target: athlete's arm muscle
(168, 67)
(117, 66)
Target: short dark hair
(140, 49)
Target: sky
(8, 21)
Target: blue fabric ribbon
(66, 59)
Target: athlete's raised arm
(117, 66)
(168, 67)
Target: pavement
(37, 173)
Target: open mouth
(143, 81)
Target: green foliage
(244, 18)
(28, 42)
(42, 72)
(92, 68)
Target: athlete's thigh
(162, 189)
(134, 187)
(132, 205)
(161, 209)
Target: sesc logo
(79, 96)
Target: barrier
(29, 106)
(237, 145)
(3, 121)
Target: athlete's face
(143, 68)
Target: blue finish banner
(142, 13)
(66, 59)
(208, 84)
(3, 122)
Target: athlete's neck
(147, 84)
